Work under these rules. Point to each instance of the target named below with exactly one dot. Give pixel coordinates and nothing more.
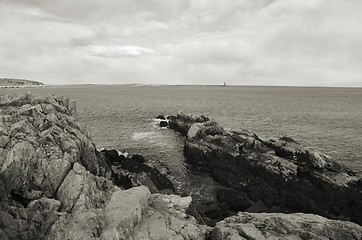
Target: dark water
(327, 119)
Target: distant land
(16, 83)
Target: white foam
(144, 135)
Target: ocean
(122, 116)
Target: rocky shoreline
(279, 174)
(55, 184)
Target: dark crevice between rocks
(19, 199)
(125, 168)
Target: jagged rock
(124, 212)
(81, 191)
(163, 124)
(133, 171)
(32, 222)
(296, 226)
(182, 122)
(56, 185)
(43, 138)
(281, 174)
(161, 117)
(166, 218)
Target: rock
(195, 131)
(133, 171)
(56, 185)
(163, 123)
(124, 212)
(161, 117)
(32, 222)
(112, 156)
(44, 140)
(182, 122)
(138, 158)
(81, 191)
(318, 160)
(281, 174)
(284, 226)
(237, 200)
(166, 219)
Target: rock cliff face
(279, 175)
(55, 185)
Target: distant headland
(18, 83)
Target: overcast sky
(247, 42)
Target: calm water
(327, 119)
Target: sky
(241, 42)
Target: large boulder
(259, 226)
(281, 174)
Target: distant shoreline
(19, 83)
(26, 86)
(195, 85)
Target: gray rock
(259, 226)
(282, 173)
(55, 185)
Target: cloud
(272, 42)
(119, 51)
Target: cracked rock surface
(298, 226)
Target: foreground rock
(55, 185)
(259, 226)
(276, 175)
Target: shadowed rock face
(279, 173)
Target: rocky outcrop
(279, 175)
(182, 122)
(56, 185)
(259, 226)
(45, 157)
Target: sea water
(122, 117)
